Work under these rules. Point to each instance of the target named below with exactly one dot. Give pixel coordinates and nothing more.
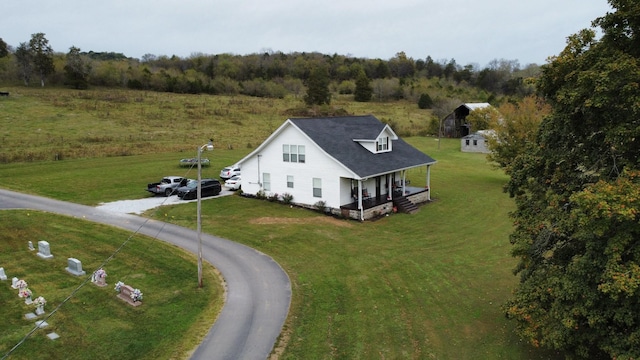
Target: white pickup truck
(167, 186)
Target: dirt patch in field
(296, 221)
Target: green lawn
(93, 323)
(423, 286)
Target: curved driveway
(258, 290)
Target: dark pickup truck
(167, 186)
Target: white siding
(317, 165)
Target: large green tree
(25, 63)
(364, 90)
(514, 130)
(577, 231)
(4, 48)
(318, 87)
(42, 55)
(77, 69)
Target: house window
(475, 142)
(383, 143)
(317, 187)
(293, 153)
(290, 181)
(266, 181)
(466, 142)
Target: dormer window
(382, 144)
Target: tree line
(268, 74)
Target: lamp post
(208, 146)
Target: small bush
(273, 197)
(321, 206)
(287, 198)
(261, 195)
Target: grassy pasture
(422, 286)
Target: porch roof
(336, 135)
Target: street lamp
(208, 146)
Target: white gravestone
(14, 283)
(3, 276)
(74, 266)
(31, 246)
(44, 251)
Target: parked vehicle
(229, 172)
(167, 185)
(193, 162)
(233, 183)
(210, 187)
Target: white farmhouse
(353, 165)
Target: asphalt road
(258, 290)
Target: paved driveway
(258, 290)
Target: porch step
(405, 205)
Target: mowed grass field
(423, 286)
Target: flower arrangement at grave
(118, 286)
(21, 284)
(26, 294)
(136, 295)
(39, 302)
(99, 276)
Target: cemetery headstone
(31, 246)
(30, 316)
(53, 336)
(44, 251)
(42, 324)
(100, 277)
(74, 266)
(125, 294)
(3, 276)
(14, 283)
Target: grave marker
(3, 276)
(14, 283)
(31, 248)
(125, 294)
(44, 251)
(74, 266)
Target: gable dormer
(381, 143)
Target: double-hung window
(290, 181)
(266, 181)
(317, 187)
(383, 143)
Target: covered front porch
(372, 197)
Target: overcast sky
(469, 31)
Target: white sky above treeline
(471, 32)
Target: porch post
(360, 200)
(429, 182)
(404, 181)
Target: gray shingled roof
(336, 135)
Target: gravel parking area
(141, 205)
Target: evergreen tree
(318, 87)
(425, 101)
(364, 90)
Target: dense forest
(269, 74)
